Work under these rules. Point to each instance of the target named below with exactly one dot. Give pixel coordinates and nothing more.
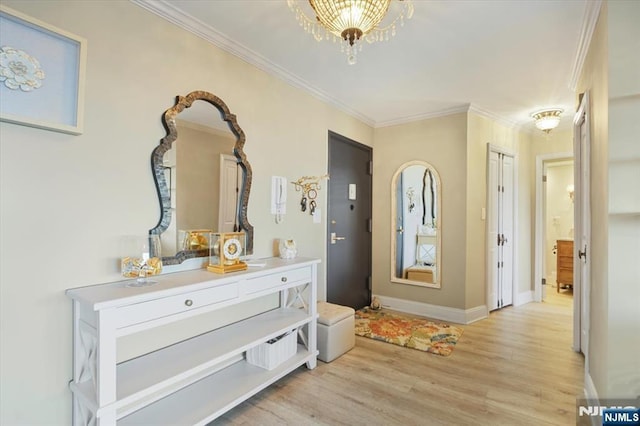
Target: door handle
(583, 254)
(400, 230)
(334, 238)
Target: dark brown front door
(349, 223)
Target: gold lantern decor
(226, 251)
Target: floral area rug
(415, 333)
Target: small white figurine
(375, 303)
(288, 249)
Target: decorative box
(226, 251)
(274, 352)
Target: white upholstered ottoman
(336, 330)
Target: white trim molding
(444, 313)
(590, 18)
(523, 298)
(425, 116)
(591, 395)
(492, 116)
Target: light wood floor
(515, 368)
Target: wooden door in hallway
(349, 223)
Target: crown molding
(590, 18)
(189, 23)
(202, 30)
(511, 124)
(425, 116)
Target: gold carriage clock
(225, 252)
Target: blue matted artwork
(52, 97)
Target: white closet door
(507, 230)
(492, 229)
(500, 229)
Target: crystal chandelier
(350, 21)
(548, 119)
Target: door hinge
(544, 281)
(544, 178)
(369, 225)
(369, 283)
(370, 167)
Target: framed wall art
(41, 74)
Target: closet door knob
(283, 279)
(582, 253)
(188, 302)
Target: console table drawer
(146, 311)
(255, 285)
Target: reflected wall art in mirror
(416, 231)
(202, 176)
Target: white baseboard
(445, 313)
(591, 395)
(590, 392)
(523, 298)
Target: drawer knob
(188, 302)
(283, 279)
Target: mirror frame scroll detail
(157, 159)
(438, 226)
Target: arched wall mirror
(202, 176)
(416, 233)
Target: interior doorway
(553, 218)
(558, 226)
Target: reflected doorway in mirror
(416, 225)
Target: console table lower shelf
(203, 401)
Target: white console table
(196, 380)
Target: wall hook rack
(309, 185)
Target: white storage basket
(270, 354)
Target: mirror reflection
(202, 176)
(416, 231)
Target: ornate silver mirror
(415, 225)
(203, 180)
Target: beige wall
(67, 200)
(442, 143)
(624, 200)
(610, 75)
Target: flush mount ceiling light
(350, 21)
(547, 119)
